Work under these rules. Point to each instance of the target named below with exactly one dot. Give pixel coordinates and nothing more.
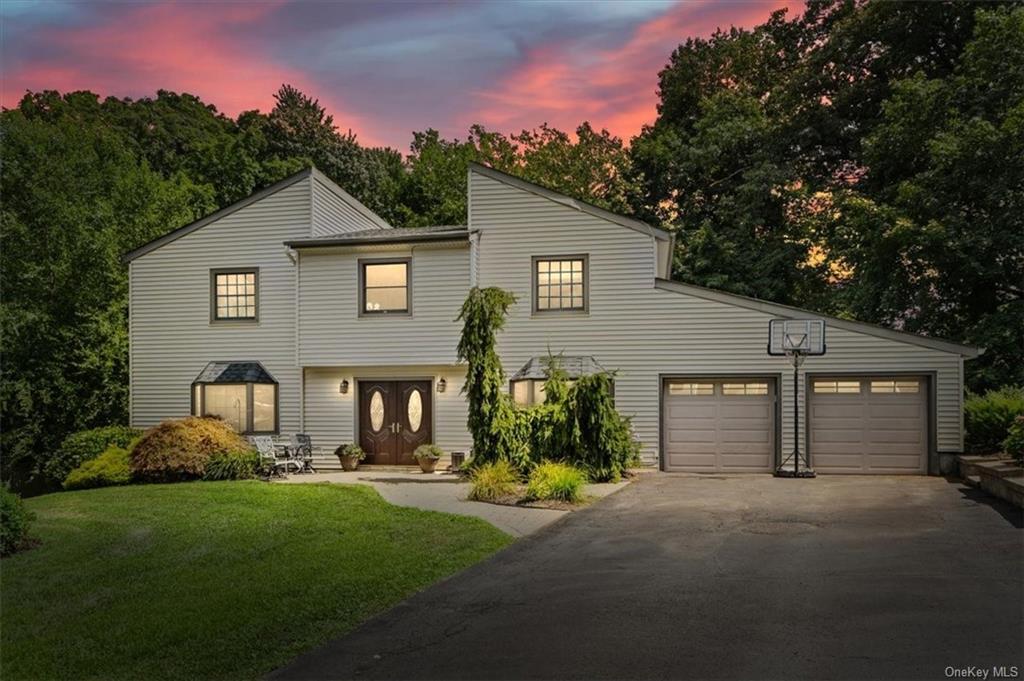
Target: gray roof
(537, 367)
(395, 235)
(234, 372)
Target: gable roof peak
(576, 204)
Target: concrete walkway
(447, 493)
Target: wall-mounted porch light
(442, 384)
(343, 387)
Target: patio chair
(302, 450)
(271, 459)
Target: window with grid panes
(561, 284)
(234, 295)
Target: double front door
(395, 417)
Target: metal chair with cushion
(302, 451)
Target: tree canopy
(860, 159)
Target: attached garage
(868, 424)
(719, 425)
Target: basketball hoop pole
(797, 360)
(796, 339)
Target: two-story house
(300, 310)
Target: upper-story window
(234, 295)
(560, 284)
(384, 286)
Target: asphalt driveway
(747, 577)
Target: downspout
(474, 259)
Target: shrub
(492, 481)
(428, 452)
(604, 447)
(491, 419)
(556, 481)
(181, 449)
(988, 417)
(350, 449)
(14, 522)
(232, 466)
(110, 468)
(1014, 442)
(85, 445)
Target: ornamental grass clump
(493, 481)
(232, 466)
(181, 449)
(553, 481)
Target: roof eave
(410, 238)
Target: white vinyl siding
(172, 337)
(333, 333)
(334, 213)
(331, 416)
(645, 332)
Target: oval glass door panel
(415, 410)
(376, 410)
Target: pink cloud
(181, 47)
(564, 84)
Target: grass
(213, 580)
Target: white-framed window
(836, 387)
(560, 284)
(691, 389)
(234, 295)
(895, 386)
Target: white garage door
(869, 424)
(722, 425)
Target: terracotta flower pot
(349, 463)
(427, 465)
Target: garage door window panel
(742, 389)
(691, 389)
(836, 387)
(895, 387)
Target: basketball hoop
(796, 339)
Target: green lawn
(213, 580)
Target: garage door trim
(932, 457)
(664, 378)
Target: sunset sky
(382, 69)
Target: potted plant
(427, 456)
(350, 455)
